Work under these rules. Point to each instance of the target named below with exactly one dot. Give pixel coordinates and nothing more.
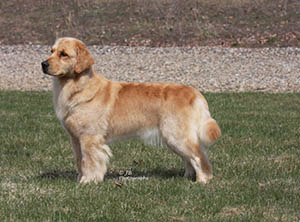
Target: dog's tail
(209, 132)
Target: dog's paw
(84, 180)
(91, 179)
(204, 179)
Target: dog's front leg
(77, 153)
(95, 157)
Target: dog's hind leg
(186, 145)
(201, 164)
(189, 169)
(195, 161)
(95, 157)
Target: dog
(96, 111)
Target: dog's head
(69, 57)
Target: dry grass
(244, 23)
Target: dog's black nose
(45, 66)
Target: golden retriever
(96, 111)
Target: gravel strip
(209, 69)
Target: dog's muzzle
(45, 66)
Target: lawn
(256, 167)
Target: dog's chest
(60, 101)
(61, 109)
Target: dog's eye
(63, 54)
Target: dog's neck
(78, 79)
(72, 91)
(76, 83)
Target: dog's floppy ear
(84, 59)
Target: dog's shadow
(55, 174)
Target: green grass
(256, 167)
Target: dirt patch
(231, 23)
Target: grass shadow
(54, 174)
(162, 173)
(151, 173)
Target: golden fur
(96, 111)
